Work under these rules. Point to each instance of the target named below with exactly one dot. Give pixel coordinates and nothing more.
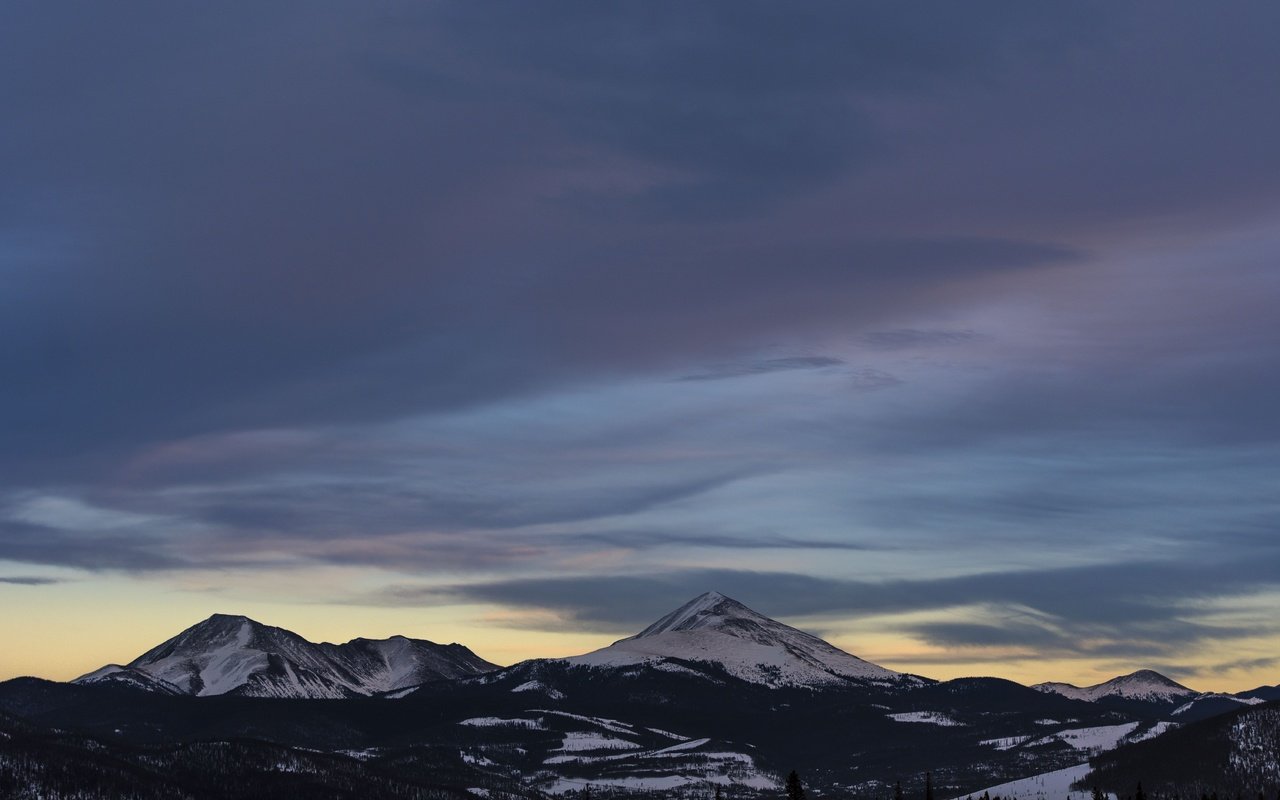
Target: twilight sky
(948, 331)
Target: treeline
(54, 766)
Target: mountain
(1232, 755)
(718, 630)
(236, 655)
(1144, 685)
(1211, 704)
(711, 693)
(1263, 693)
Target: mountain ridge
(233, 654)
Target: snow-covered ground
(499, 722)
(929, 717)
(539, 686)
(1092, 740)
(577, 741)
(1054, 785)
(1005, 743)
(1153, 731)
(667, 782)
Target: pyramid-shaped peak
(1146, 682)
(228, 623)
(227, 619)
(714, 628)
(708, 610)
(1149, 676)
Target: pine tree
(1139, 795)
(795, 790)
(928, 786)
(718, 792)
(1098, 794)
(897, 791)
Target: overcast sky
(948, 331)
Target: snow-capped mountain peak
(1145, 684)
(719, 630)
(708, 610)
(232, 654)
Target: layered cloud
(926, 307)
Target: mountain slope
(715, 629)
(1231, 754)
(1144, 685)
(236, 655)
(1212, 704)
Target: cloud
(29, 580)
(641, 540)
(1141, 609)
(764, 367)
(405, 287)
(902, 338)
(36, 544)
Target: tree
(795, 789)
(897, 791)
(1139, 795)
(1098, 794)
(928, 786)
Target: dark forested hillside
(52, 765)
(1233, 755)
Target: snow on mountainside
(1145, 685)
(1231, 754)
(236, 655)
(1211, 704)
(717, 629)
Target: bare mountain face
(236, 655)
(712, 628)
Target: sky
(947, 331)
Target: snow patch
(578, 741)
(929, 717)
(500, 722)
(1054, 785)
(1092, 740)
(539, 686)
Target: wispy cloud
(29, 580)
(859, 292)
(764, 367)
(1132, 610)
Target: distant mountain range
(1148, 691)
(711, 693)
